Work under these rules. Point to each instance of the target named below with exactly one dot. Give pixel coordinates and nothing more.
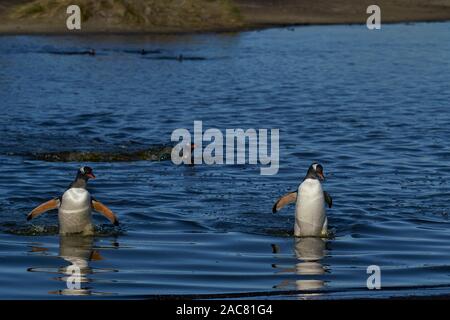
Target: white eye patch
(82, 170)
(315, 166)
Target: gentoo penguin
(310, 215)
(75, 207)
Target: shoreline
(200, 32)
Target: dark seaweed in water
(90, 52)
(143, 51)
(157, 153)
(179, 58)
(100, 230)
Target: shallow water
(372, 107)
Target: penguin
(310, 214)
(75, 207)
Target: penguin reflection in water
(78, 251)
(310, 214)
(309, 252)
(75, 207)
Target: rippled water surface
(372, 107)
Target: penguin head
(86, 173)
(315, 171)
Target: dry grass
(161, 16)
(141, 14)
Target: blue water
(371, 106)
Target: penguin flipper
(328, 199)
(104, 210)
(284, 200)
(46, 206)
(95, 256)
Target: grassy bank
(125, 15)
(161, 16)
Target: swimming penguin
(310, 215)
(75, 206)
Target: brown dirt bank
(166, 16)
(290, 12)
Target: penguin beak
(91, 175)
(321, 176)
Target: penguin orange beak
(91, 175)
(321, 176)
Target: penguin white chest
(75, 212)
(310, 216)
